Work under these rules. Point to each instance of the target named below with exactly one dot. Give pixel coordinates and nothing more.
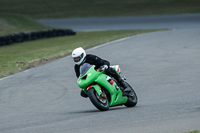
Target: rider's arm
(77, 71)
(98, 61)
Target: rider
(79, 55)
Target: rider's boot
(124, 87)
(123, 84)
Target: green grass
(21, 56)
(10, 24)
(88, 8)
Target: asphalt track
(126, 22)
(163, 67)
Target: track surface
(163, 67)
(127, 22)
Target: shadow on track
(96, 110)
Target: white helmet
(78, 55)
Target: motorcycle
(103, 90)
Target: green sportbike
(103, 90)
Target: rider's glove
(104, 67)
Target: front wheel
(100, 102)
(132, 98)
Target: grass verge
(21, 56)
(11, 24)
(97, 8)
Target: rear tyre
(132, 98)
(100, 102)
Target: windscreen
(84, 68)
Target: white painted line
(6, 77)
(27, 70)
(108, 43)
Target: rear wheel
(100, 102)
(132, 98)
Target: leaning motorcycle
(103, 90)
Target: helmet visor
(77, 59)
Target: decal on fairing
(110, 80)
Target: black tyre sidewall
(129, 102)
(95, 102)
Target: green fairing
(93, 76)
(113, 91)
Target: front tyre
(100, 102)
(132, 98)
